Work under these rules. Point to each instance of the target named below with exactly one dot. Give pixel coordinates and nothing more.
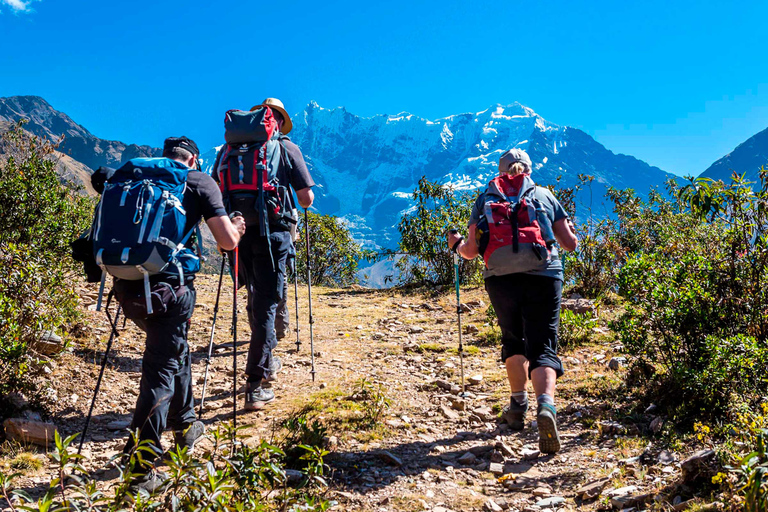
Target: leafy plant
(39, 216)
(232, 477)
(334, 252)
(575, 328)
(374, 402)
(425, 257)
(694, 283)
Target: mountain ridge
(746, 158)
(74, 139)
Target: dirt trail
(426, 453)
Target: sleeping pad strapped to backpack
(246, 170)
(514, 233)
(138, 230)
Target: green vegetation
(696, 305)
(335, 254)
(231, 477)
(39, 216)
(575, 329)
(427, 260)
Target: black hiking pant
(263, 271)
(165, 392)
(528, 309)
(282, 316)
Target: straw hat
(276, 104)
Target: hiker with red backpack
(516, 227)
(148, 211)
(257, 169)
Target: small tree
(427, 259)
(39, 216)
(334, 252)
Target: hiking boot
(271, 377)
(187, 437)
(514, 414)
(257, 396)
(149, 483)
(549, 439)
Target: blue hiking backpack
(138, 230)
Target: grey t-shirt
(554, 211)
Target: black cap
(183, 143)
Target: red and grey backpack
(514, 233)
(246, 169)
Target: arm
(564, 233)
(226, 232)
(305, 197)
(300, 179)
(467, 249)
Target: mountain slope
(747, 159)
(78, 143)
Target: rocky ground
(429, 450)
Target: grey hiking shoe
(149, 483)
(274, 368)
(257, 396)
(187, 437)
(514, 414)
(549, 438)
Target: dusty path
(429, 450)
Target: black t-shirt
(293, 169)
(202, 199)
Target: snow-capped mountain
(367, 168)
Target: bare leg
(517, 373)
(543, 379)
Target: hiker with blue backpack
(142, 232)
(258, 170)
(516, 227)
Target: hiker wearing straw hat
(264, 256)
(516, 227)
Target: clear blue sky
(675, 83)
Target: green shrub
(39, 216)
(334, 252)
(232, 477)
(696, 301)
(426, 257)
(575, 329)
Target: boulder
(449, 413)
(492, 506)
(617, 362)
(49, 343)
(30, 431)
(579, 306)
(593, 489)
(699, 466)
(468, 459)
(390, 458)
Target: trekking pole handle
(235, 214)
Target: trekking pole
(234, 348)
(309, 294)
(213, 329)
(296, 298)
(458, 313)
(112, 335)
